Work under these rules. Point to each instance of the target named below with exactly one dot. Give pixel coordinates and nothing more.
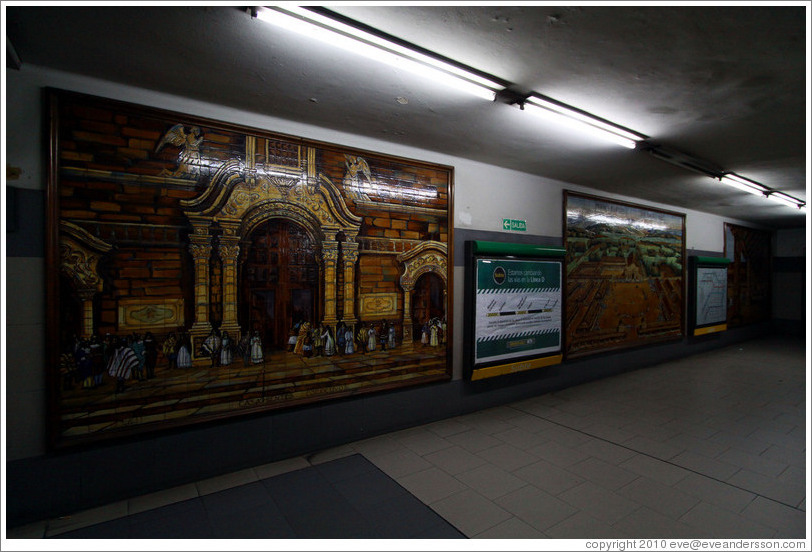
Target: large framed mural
(748, 278)
(625, 267)
(200, 270)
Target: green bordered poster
(708, 294)
(517, 310)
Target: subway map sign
(517, 310)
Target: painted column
(349, 256)
(329, 253)
(200, 248)
(229, 251)
(407, 314)
(86, 296)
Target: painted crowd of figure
(135, 356)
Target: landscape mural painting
(199, 270)
(748, 275)
(625, 274)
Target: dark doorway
(427, 302)
(280, 281)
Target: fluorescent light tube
(784, 198)
(582, 123)
(345, 36)
(743, 184)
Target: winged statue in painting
(357, 169)
(189, 161)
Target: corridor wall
(44, 483)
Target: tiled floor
(710, 446)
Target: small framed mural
(624, 274)
(200, 270)
(514, 306)
(749, 290)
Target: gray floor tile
(646, 523)
(584, 526)
(520, 438)
(400, 463)
(659, 497)
(719, 523)
(608, 452)
(474, 440)
(548, 477)
(715, 492)
(715, 469)
(793, 475)
(758, 464)
(565, 436)
(454, 460)
(447, 427)
(377, 446)
(530, 423)
(599, 502)
(610, 432)
(786, 455)
(653, 468)
(470, 512)
(789, 522)
(431, 485)
(703, 446)
(602, 473)
(513, 528)
(558, 454)
(491, 481)
(751, 445)
(535, 507)
(652, 447)
(768, 487)
(508, 457)
(423, 442)
(487, 422)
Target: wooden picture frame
(625, 274)
(170, 235)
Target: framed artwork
(748, 285)
(200, 270)
(515, 305)
(624, 274)
(707, 300)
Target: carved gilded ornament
(200, 251)
(141, 314)
(378, 304)
(433, 262)
(228, 251)
(79, 265)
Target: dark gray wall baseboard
(790, 328)
(72, 480)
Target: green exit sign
(514, 225)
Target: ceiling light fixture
(378, 48)
(781, 197)
(744, 184)
(756, 188)
(583, 121)
(337, 30)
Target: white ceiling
(725, 84)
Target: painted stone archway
(238, 201)
(428, 257)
